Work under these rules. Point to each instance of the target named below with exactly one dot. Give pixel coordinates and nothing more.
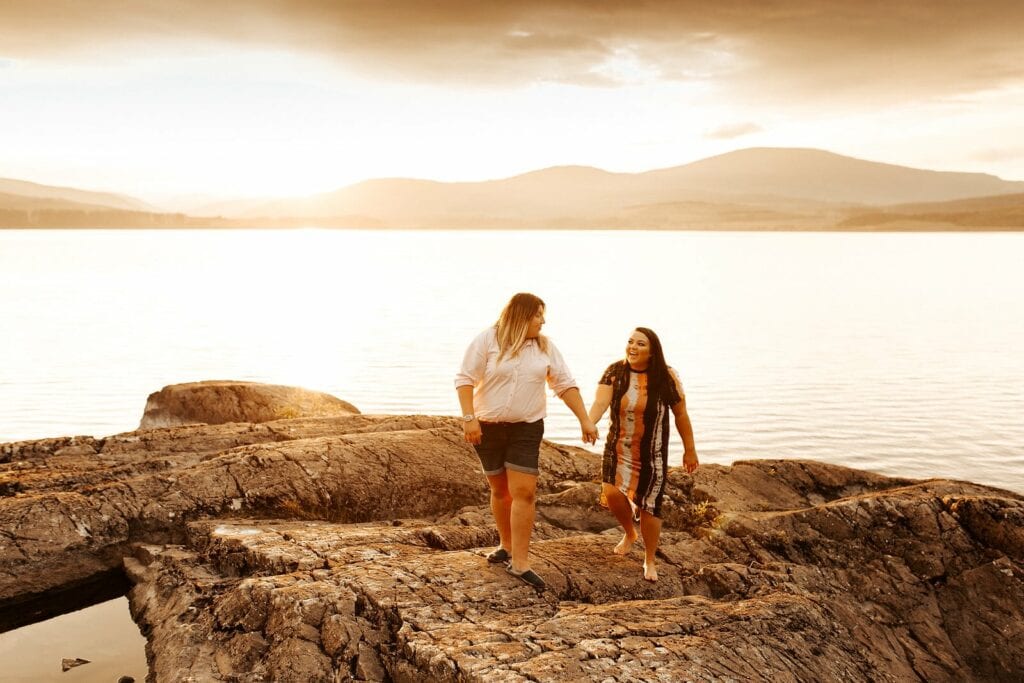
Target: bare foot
(626, 543)
(650, 571)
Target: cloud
(733, 131)
(831, 50)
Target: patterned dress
(636, 448)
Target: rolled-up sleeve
(474, 361)
(559, 378)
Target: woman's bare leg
(623, 511)
(523, 488)
(650, 529)
(501, 507)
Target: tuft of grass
(697, 518)
(290, 509)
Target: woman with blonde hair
(641, 390)
(501, 392)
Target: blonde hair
(513, 323)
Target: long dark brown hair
(661, 388)
(662, 393)
(660, 385)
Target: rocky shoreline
(277, 534)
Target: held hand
(471, 431)
(690, 461)
(589, 432)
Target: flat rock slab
(71, 515)
(792, 595)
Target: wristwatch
(468, 418)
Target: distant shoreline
(755, 189)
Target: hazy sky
(157, 98)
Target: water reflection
(104, 634)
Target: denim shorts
(512, 445)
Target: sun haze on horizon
(246, 99)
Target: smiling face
(533, 331)
(638, 350)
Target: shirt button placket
(512, 393)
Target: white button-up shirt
(512, 390)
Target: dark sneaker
(498, 556)
(528, 576)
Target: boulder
(217, 402)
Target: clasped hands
(589, 430)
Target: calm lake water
(899, 353)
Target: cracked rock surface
(351, 547)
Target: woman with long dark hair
(501, 391)
(642, 390)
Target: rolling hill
(749, 189)
(106, 200)
(775, 187)
(999, 212)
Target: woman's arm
(471, 429)
(470, 374)
(683, 425)
(602, 399)
(574, 401)
(685, 430)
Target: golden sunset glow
(185, 103)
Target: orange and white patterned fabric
(636, 448)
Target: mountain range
(749, 189)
